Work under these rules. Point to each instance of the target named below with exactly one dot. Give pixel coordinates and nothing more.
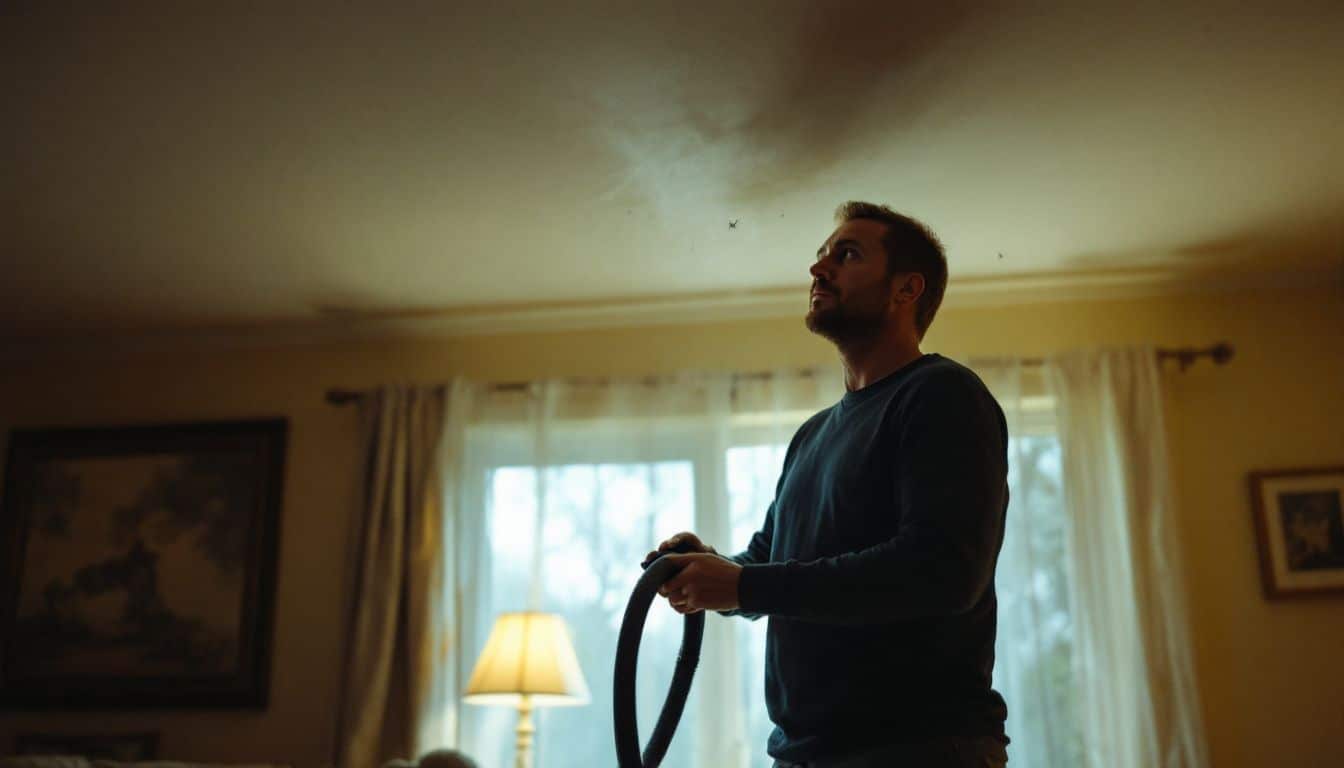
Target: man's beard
(861, 317)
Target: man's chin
(821, 323)
(837, 328)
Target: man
(875, 563)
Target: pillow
(170, 764)
(43, 761)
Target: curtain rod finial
(342, 396)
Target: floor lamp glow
(528, 661)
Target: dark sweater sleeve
(757, 551)
(951, 484)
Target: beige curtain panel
(395, 620)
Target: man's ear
(907, 288)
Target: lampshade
(528, 653)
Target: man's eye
(848, 253)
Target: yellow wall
(1271, 674)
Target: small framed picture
(1299, 520)
(124, 747)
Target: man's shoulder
(943, 384)
(937, 366)
(813, 423)
(939, 372)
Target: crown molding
(696, 309)
(973, 291)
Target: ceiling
(168, 166)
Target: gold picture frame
(138, 565)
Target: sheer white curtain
(554, 492)
(597, 473)
(559, 491)
(1137, 702)
(1034, 650)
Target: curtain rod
(1220, 353)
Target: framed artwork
(137, 565)
(122, 747)
(1299, 520)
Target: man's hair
(911, 247)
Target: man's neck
(871, 360)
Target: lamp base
(523, 748)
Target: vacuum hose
(628, 755)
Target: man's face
(851, 293)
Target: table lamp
(527, 661)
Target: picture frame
(138, 565)
(1299, 524)
(121, 747)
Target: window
(605, 509)
(598, 525)
(1034, 649)
(753, 471)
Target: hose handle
(684, 548)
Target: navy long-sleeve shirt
(875, 566)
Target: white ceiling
(172, 166)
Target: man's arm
(758, 549)
(757, 552)
(762, 541)
(951, 485)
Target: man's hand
(706, 582)
(685, 537)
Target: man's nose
(820, 270)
